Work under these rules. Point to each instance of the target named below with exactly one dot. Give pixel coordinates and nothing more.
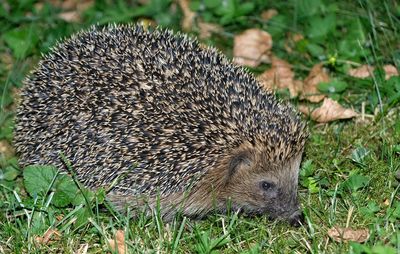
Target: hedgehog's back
(153, 108)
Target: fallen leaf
(291, 41)
(364, 71)
(250, 46)
(330, 111)
(7, 60)
(188, 15)
(118, 243)
(72, 9)
(297, 37)
(386, 202)
(65, 4)
(6, 149)
(390, 71)
(348, 234)
(60, 217)
(316, 76)
(38, 6)
(206, 29)
(70, 16)
(147, 23)
(16, 94)
(71, 4)
(82, 249)
(48, 236)
(268, 14)
(280, 76)
(306, 110)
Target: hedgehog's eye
(267, 186)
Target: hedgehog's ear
(238, 162)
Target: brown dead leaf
(306, 110)
(330, 111)
(7, 59)
(60, 217)
(66, 5)
(298, 87)
(82, 249)
(297, 37)
(72, 9)
(71, 4)
(316, 76)
(118, 243)
(280, 76)
(386, 202)
(207, 29)
(292, 39)
(6, 149)
(250, 46)
(268, 14)
(348, 234)
(147, 23)
(364, 71)
(390, 71)
(188, 15)
(70, 16)
(48, 236)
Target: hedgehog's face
(257, 186)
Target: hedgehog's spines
(119, 93)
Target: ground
(348, 175)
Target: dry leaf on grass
(82, 249)
(49, 235)
(291, 41)
(60, 217)
(330, 111)
(147, 23)
(297, 37)
(280, 76)
(70, 16)
(72, 9)
(118, 243)
(390, 71)
(16, 94)
(310, 90)
(268, 14)
(188, 15)
(348, 234)
(64, 4)
(251, 46)
(386, 202)
(6, 149)
(206, 29)
(306, 110)
(7, 60)
(364, 71)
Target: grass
(348, 171)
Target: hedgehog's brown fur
(162, 117)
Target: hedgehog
(160, 120)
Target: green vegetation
(348, 176)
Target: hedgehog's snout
(289, 212)
(294, 215)
(296, 219)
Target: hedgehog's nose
(296, 219)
